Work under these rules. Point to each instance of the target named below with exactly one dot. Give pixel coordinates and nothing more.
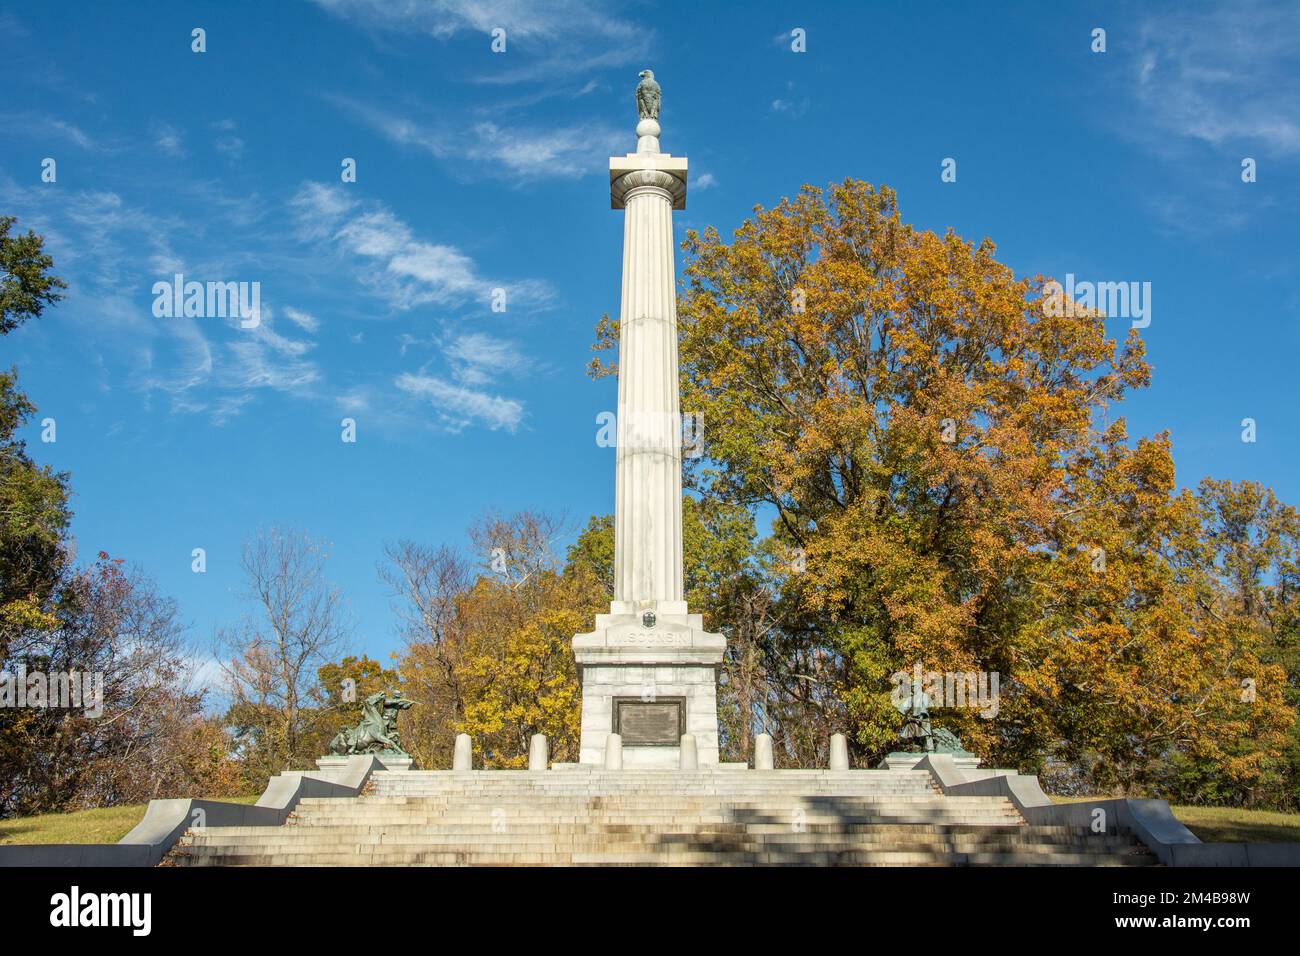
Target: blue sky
(479, 170)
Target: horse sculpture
(377, 731)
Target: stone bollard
(463, 757)
(538, 753)
(839, 752)
(763, 752)
(688, 758)
(613, 752)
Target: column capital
(647, 169)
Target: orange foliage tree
(935, 440)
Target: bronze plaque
(650, 723)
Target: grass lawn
(1227, 824)
(107, 825)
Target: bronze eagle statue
(647, 96)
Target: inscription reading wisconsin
(656, 723)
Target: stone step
(663, 842)
(777, 825)
(598, 803)
(667, 843)
(647, 818)
(642, 781)
(853, 858)
(597, 773)
(406, 856)
(754, 793)
(651, 818)
(677, 823)
(894, 831)
(664, 787)
(739, 812)
(757, 796)
(524, 787)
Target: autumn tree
(1240, 555)
(145, 734)
(426, 584)
(271, 658)
(34, 512)
(34, 519)
(145, 737)
(488, 639)
(934, 438)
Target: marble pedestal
(390, 762)
(907, 760)
(672, 659)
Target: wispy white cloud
(228, 144)
(227, 407)
(403, 269)
(231, 146)
(112, 251)
(546, 40)
(522, 153)
(32, 125)
(790, 106)
(458, 406)
(260, 357)
(446, 18)
(477, 358)
(475, 361)
(185, 366)
(167, 138)
(535, 153)
(255, 367)
(1224, 79)
(278, 343)
(117, 236)
(1223, 75)
(355, 400)
(305, 321)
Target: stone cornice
(652, 170)
(657, 178)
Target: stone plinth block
(538, 752)
(839, 752)
(689, 758)
(613, 752)
(763, 752)
(463, 756)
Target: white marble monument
(648, 668)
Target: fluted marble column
(648, 495)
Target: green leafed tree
(34, 511)
(26, 283)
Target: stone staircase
(654, 818)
